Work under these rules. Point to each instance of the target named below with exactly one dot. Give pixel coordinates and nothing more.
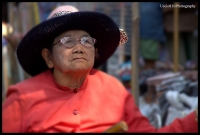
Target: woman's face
(78, 58)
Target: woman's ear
(47, 57)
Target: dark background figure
(152, 34)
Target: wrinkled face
(78, 58)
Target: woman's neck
(71, 80)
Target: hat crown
(62, 10)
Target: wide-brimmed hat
(98, 25)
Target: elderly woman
(67, 93)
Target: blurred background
(158, 64)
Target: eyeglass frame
(60, 40)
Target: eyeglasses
(70, 42)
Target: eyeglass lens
(85, 41)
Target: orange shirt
(39, 104)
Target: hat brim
(98, 25)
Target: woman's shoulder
(105, 81)
(33, 81)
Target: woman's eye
(86, 41)
(68, 41)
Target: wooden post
(36, 13)
(134, 51)
(176, 37)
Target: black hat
(98, 25)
